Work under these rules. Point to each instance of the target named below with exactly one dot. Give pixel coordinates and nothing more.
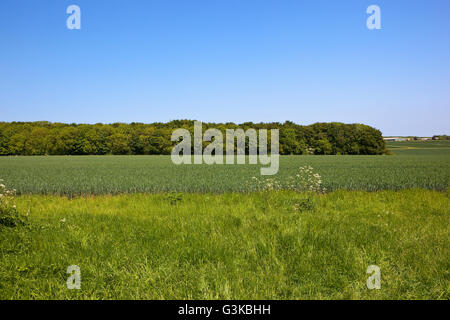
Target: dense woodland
(46, 138)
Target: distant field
(423, 166)
(438, 144)
(271, 245)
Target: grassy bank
(262, 245)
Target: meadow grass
(269, 245)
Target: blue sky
(228, 60)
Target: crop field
(417, 167)
(417, 145)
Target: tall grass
(269, 245)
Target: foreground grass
(279, 245)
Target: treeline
(46, 138)
(441, 137)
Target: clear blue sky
(228, 60)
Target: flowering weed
(305, 180)
(9, 216)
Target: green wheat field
(425, 165)
(140, 227)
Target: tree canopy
(46, 138)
